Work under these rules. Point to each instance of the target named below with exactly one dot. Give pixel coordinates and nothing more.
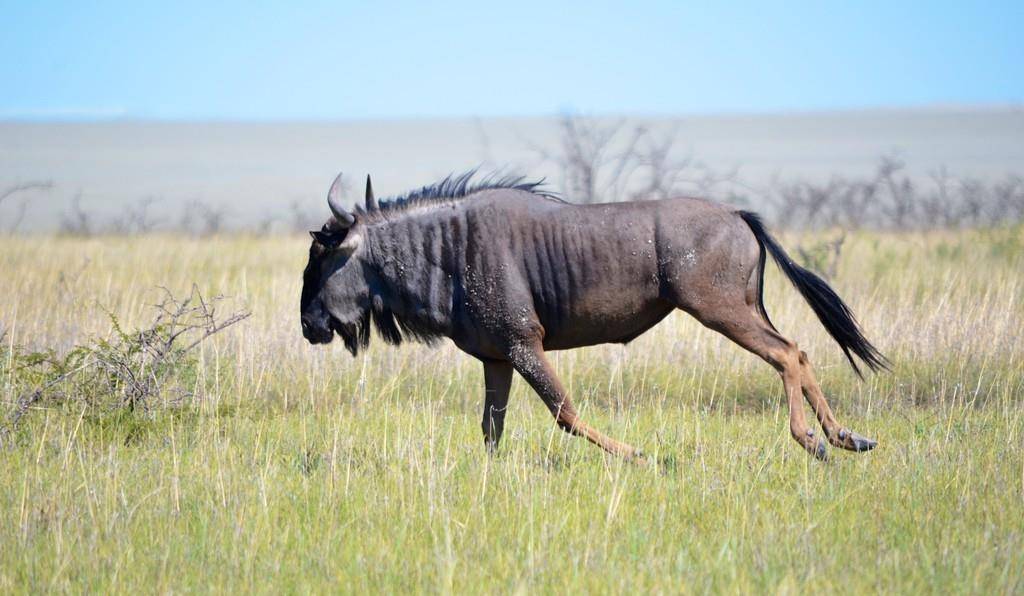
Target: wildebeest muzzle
(316, 324)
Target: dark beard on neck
(355, 335)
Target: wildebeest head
(335, 285)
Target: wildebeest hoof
(637, 457)
(862, 443)
(851, 441)
(821, 451)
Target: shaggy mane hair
(453, 188)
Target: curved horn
(371, 201)
(345, 219)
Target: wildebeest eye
(328, 238)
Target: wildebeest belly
(614, 318)
(589, 330)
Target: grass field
(301, 469)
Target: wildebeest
(508, 271)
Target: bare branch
(24, 186)
(16, 220)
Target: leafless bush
(198, 218)
(589, 162)
(611, 161)
(1009, 198)
(890, 199)
(201, 219)
(600, 162)
(898, 195)
(833, 203)
(135, 219)
(939, 203)
(130, 370)
(76, 221)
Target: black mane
(454, 187)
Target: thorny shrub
(131, 369)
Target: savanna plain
(292, 468)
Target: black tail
(830, 308)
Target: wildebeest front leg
(530, 362)
(497, 382)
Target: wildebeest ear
(351, 243)
(326, 238)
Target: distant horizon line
(114, 116)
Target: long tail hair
(833, 313)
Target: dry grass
(300, 468)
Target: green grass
(302, 469)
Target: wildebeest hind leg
(530, 362)
(841, 437)
(742, 324)
(497, 382)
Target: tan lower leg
(815, 397)
(569, 421)
(797, 420)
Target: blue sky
(351, 60)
